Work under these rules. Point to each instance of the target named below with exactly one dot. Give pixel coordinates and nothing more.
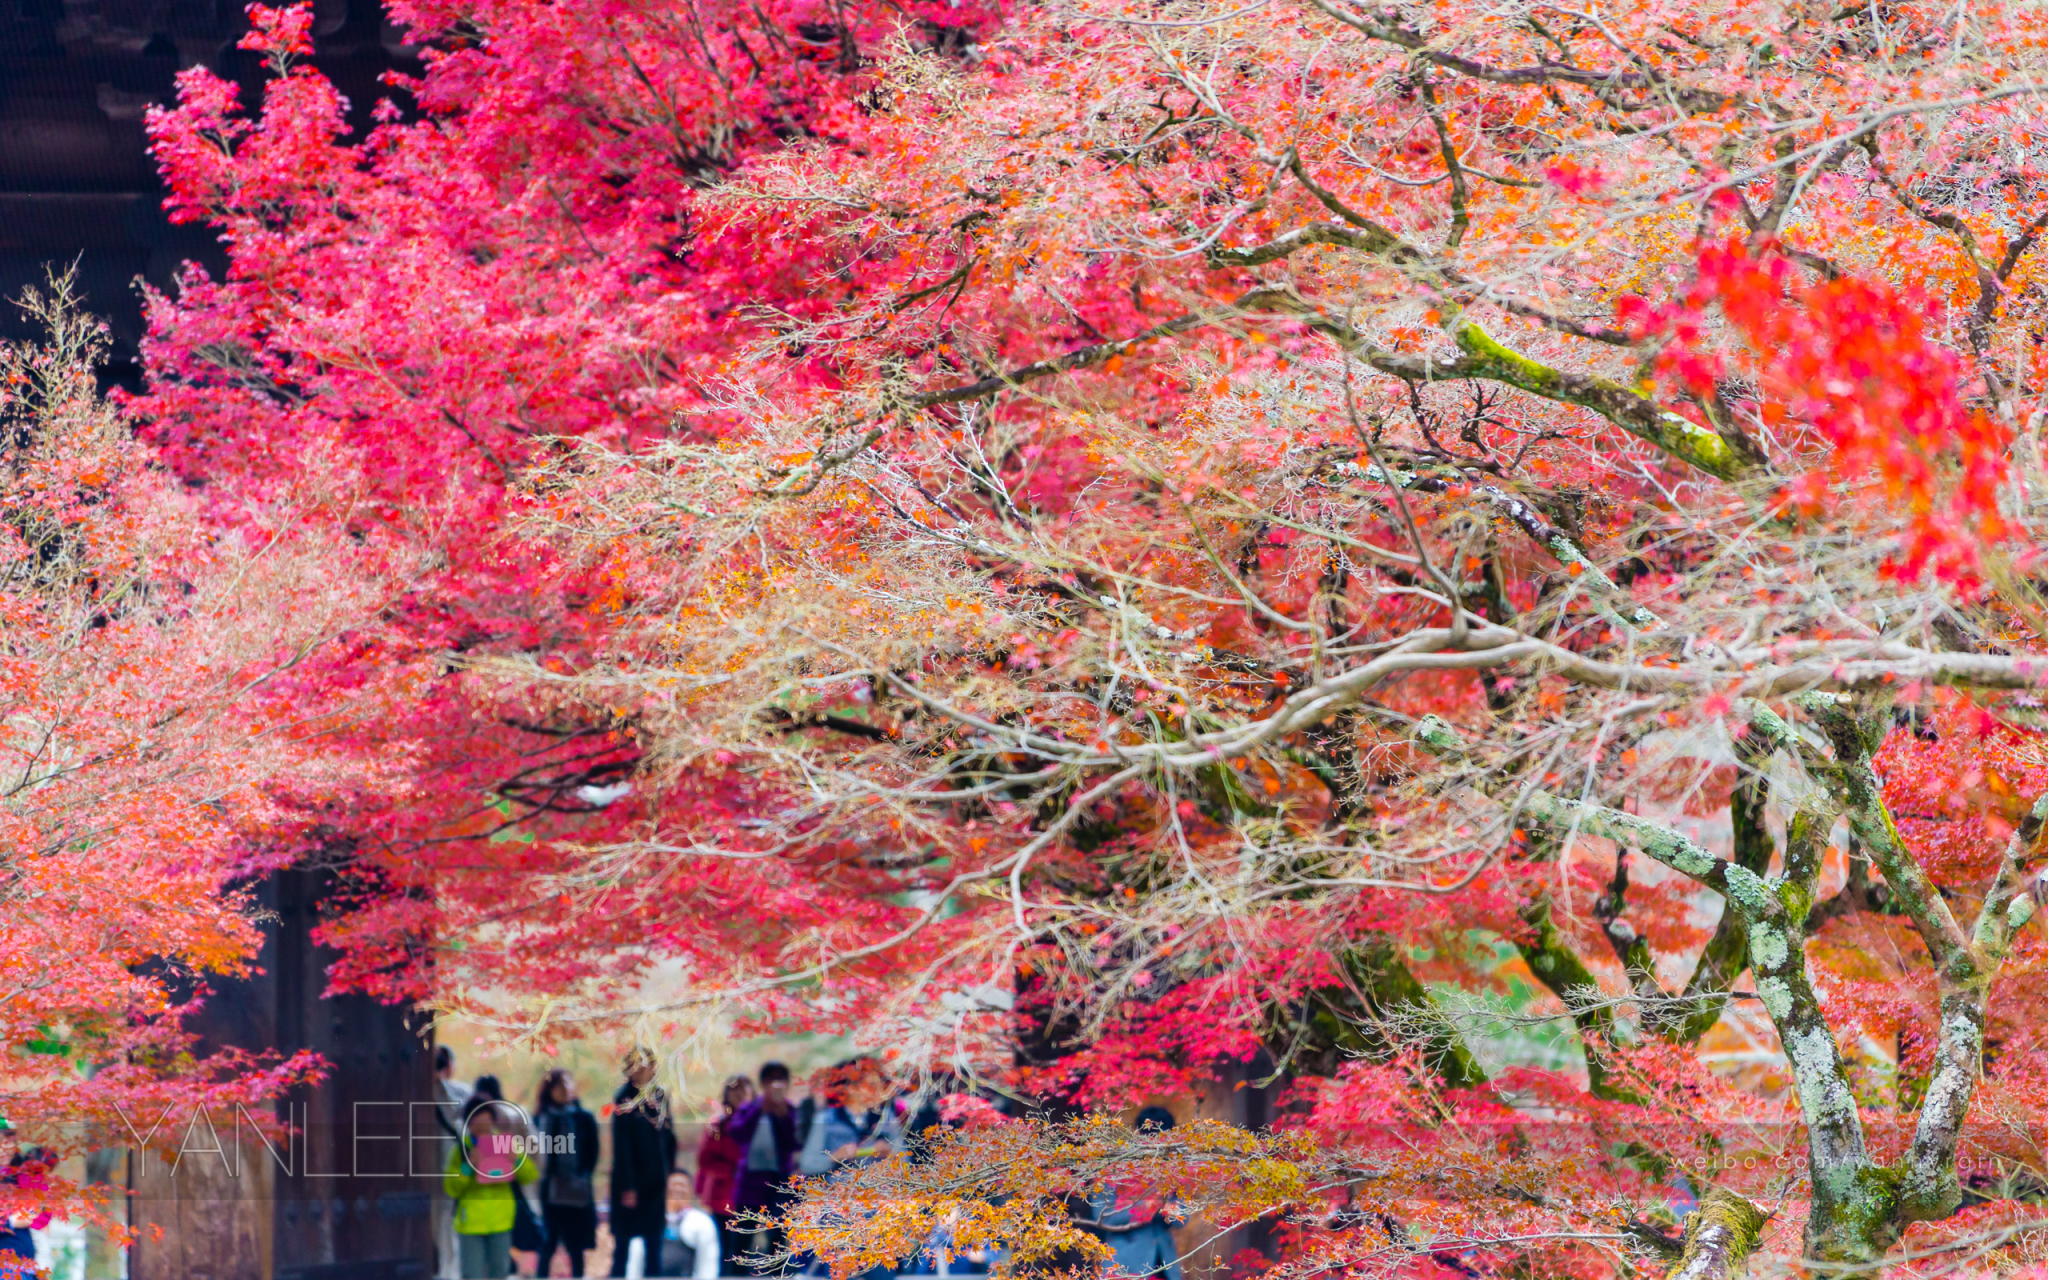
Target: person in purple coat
(765, 1129)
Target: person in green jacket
(482, 1173)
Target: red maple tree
(147, 739)
(1208, 528)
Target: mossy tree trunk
(1860, 1207)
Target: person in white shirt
(691, 1236)
(449, 1095)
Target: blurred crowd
(522, 1186)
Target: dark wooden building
(76, 182)
(346, 1197)
(77, 187)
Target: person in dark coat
(643, 1155)
(568, 1203)
(766, 1130)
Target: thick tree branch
(1719, 1237)
(2006, 910)
(1727, 953)
(1461, 217)
(1929, 1188)
(1849, 1194)
(1862, 796)
(1483, 356)
(1350, 1020)
(1558, 966)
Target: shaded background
(76, 181)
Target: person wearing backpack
(483, 1177)
(450, 1096)
(568, 1200)
(526, 1230)
(856, 1124)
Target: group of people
(721, 1220)
(498, 1154)
(664, 1222)
(762, 1138)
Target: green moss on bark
(1719, 1237)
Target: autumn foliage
(1478, 561)
(145, 749)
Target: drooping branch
(1613, 600)
(1078, 358)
